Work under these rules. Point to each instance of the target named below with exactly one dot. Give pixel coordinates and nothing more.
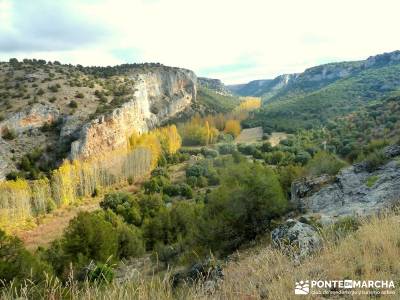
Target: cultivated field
(250, 135)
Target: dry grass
(370, 253)
(250, 135)
(51, 227)
(276, 138)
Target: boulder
(353, 192)
(296, 239)
(209, 273)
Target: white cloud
(233, 40)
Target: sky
(233, 40)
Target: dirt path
(52, 226)
(250, 135)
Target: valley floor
(52, 226)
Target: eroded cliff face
(158, 96)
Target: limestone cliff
(158, 95)
(49, 111)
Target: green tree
(242, 206)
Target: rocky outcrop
(354, 192)
(31, 118)
(208, 273)
(305, 187)
(215, 85)
(266, 88)
(383, 59)
(296, 239)
(159, 95)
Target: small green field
(250, 135)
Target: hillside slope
(50, 111)
(313, 79)
(328, 91)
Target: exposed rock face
(305, 187)
(31, 118)
(5, 164)
(264, 87)
(353, 192)
(383, 59)
(296, 239)
(158, 96)
(214, 84)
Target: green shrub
(374, 160)
(16, 263)
(247, 149)
(345, 225)
(226, 148)
(302, 158)
(172, 190)
(123, 204)
(324, 163)
(208, 152)
(371, 180)
(186, 191)
(101, 273)
(287, 174)
(73, 104)
(90, 237)
(241, 207)
(155, 184)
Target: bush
(247, 149)
(102, 272)
(89, 237)
(186, 191)
(73, 104)
(266, 147)
(79, 95)
(16, 263)
(371, 181)
(172, 190)
(101, 237)
(241, 207)
(302, 158)
(226, 148)
(123, 204)
(208, 152)
(374, 160)
(155, 184)
(287, 174)
(324, 163)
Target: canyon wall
(159, 95)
